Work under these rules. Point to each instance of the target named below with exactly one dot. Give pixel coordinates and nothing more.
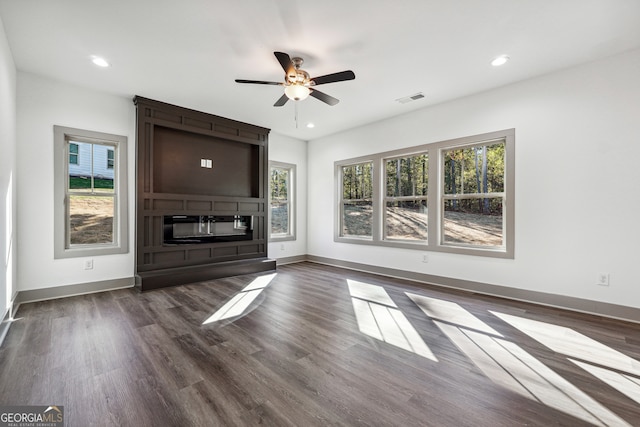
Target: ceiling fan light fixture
(297, 92)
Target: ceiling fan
(298, 85)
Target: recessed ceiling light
(100, 62)
(310, 125)
(500, 60)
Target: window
(356, 201)
(110, 159)
(281, 200)
(73, 154)
(91, 216)
(385, 199)
(405, 212)
(473, 195)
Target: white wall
(7, 174)
(41, 104)
(577, 178)
(294, 151)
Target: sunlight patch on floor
(572, 343)
(378, 317)
(450, 312)
(368, 292)
(625, 384)
(510, 366)
(237, 305)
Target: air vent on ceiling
(410, 98)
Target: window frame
(291, 201)
(62, 248)
(435, 197)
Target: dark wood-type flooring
(300, 356)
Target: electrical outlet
(425, 258)
(282, 246)
(88, 264)
(603, 279)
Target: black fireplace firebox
(197, 229)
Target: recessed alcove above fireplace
(233, 168)
(201, 196)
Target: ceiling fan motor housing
(298, 75)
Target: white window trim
(291, 192)
(61, 172)
(434, 198)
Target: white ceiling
(189, 52)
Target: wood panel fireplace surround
(201, 199)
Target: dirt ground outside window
(91, 220)
(402, 224)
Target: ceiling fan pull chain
(296, 114)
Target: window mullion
(377, 178)
(434, 192)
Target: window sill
(424, 246)
(273, 239)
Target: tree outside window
(405, 215)
(473, 195)
(357, 200)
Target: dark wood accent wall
(171, 141)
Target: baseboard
(72, 290)
(614, 311)
(4, 326)
(291, 259)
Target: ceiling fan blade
(334, 77)
(280, 102)
(285, 62)
(258, 82)
(328, 99)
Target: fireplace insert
(195, 229)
